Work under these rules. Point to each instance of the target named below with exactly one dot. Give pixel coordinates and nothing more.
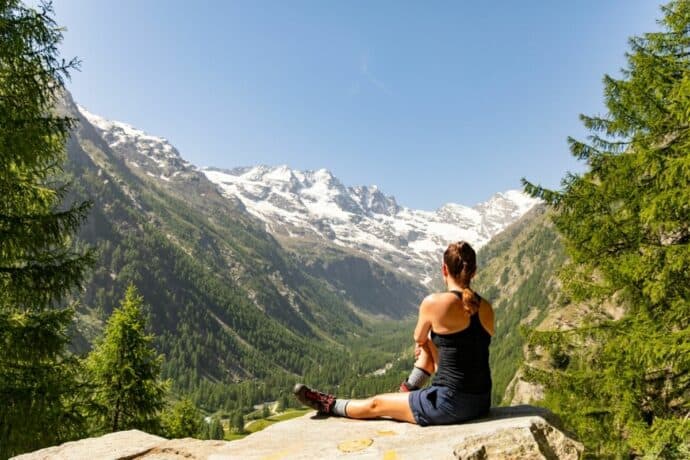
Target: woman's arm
(421, 331)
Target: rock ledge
(524, 432)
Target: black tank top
(463, 357)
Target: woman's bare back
(445, 313)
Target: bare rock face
(522, 391)
(524, 432)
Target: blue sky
(434, 102)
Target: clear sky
(431, 101)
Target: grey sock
(418, 377)
(339, 407)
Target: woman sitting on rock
(452, 339)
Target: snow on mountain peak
(281, 173)
(117, 126)
(154, 153)
(315, 204)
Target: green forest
(622, 384)
(517, 275)
(128, 305)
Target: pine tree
(215, 429)
(125, 370)
(39, 264)
(238, 422)
(184, 420)
(624, 385)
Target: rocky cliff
(524, 432)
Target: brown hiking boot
(321, 402)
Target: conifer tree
(39, 265)
(125, 370)
(624, 385)
(215, 429)
(184, 420)
(238, 422)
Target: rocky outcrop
(119, 445)
(522, 391)
(524, 432)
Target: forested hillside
(239, 317)
(140, 292)
(227, 303)
(517, 274)
(622, 381)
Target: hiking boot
(321, 402)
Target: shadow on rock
(523, 410)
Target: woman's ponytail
(470, 301)
(461, 261)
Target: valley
(242, 306)
(244, 303)
(140, 291)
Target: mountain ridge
(236, 315)
(158, 209)
(314, 206)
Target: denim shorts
(436, 405)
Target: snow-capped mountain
(315, 206)
(158, 157)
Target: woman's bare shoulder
(433, 297)
(435, 300)
(439, 298)
(486, 315)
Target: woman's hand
(419, 347)
(417, 350)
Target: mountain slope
(227, 302)
(517, 274)
(373, 251)
(238, 297)
(315, 206)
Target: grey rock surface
(114, 446)
(523, 432)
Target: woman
(452, 339)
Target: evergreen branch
(53, 124)
(21, 184)
(627, 120)
(35, 232)
(53, 73)
(666, 375)
(582, 151)
(668, 138)
(597, 124)
(610, 146)
(605, 325)
(537, 191)
(597, 412)
(41, 282)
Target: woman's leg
(394, 405)
(428, 357)
(424, 366)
